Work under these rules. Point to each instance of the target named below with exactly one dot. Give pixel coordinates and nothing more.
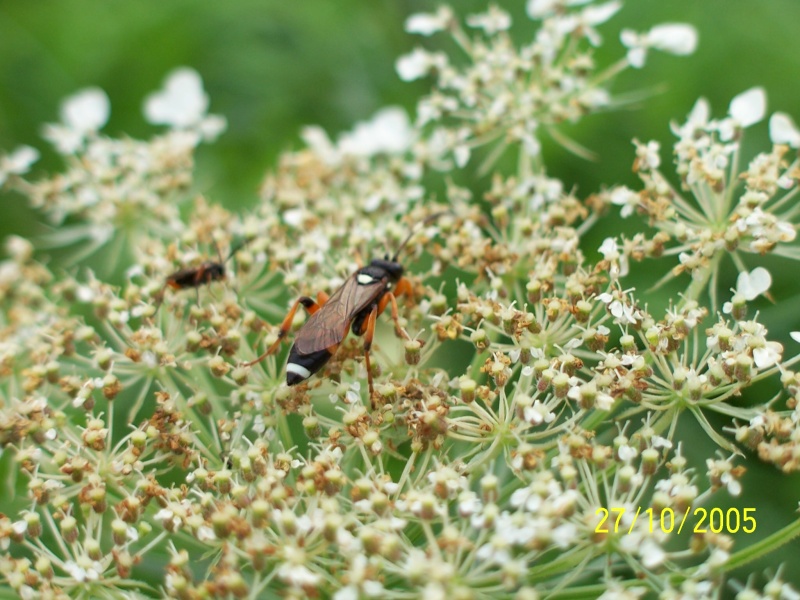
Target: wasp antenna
(415, 228)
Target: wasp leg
(369, 329)
(309, 305)
(359, 260)
(199, 277)
(160, 300)
(403, 287)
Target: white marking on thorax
(298, 370)
(365, 279)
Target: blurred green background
(272, 66)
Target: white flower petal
(317, 140)
(764, 357)
(491, 22)
(700, 113)
(627, 453)
(87, 111)
(749, 107)
(795, 335)
(537, 9)
(389, 131)
(753, 284)
(429, 23)
(629, 38)
(19, 161)
(782, 130)
(20, 527)
(462, 154)
(414, 65)
(595, 15)
(636, 57)
(294, 217)
(212, 126)
(181, 103)
(609, 249)
(652, 554)
(675, 38)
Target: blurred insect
(355, 306)
(194, 277)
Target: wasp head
(383, 267)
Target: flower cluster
(716, 209)
(511, 94)
(522, 389)
(117, 190)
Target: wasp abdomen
(302, 366)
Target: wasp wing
(328, 326)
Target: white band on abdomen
(298, 370)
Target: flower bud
(34, 523)
(534, 290)
(193, 340)
(124, 563)
(561, 385)
(489, 488)
(119, 531)
(200, 403)
(95, 497)
(553, 309)
(650, 459)
(739, 307)
(628, 343)
(412, 349)
(480, 339)
(218, 366)
(259, 509)
(103, 358)
(221, 521)
(500, 216)
(439, 304)
(222, 481)
(679, 378)
(312, 427)
(69, 529)
(583, 310)
(743, 368)
(625, 477)
(334, 481)
(92, 548)
(240, 496)
(44, 567)
(467, 387)
(239, 375)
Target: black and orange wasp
(194, 277)
(355, 306)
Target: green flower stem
(764, 547)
